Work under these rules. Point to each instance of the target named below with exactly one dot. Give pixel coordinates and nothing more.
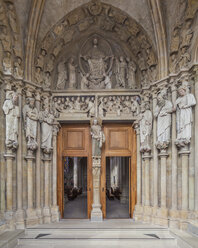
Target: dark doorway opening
(117, 187)
(75, 188)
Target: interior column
(75, 177)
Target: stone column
(147, 209)
(47, 210)
(162, 212)
(75, 172)
(54, 209)
(155, 160)
(96, 213)
(196, 139)
(173, 211)
(20, 218)
(138, 207)
(38, 164)
(9, 215)
(32, 218)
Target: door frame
(61, 153)
(132, 168)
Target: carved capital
(162, 146)
(182, 143)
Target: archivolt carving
(182, 38)
(123, 38)
(10, 40)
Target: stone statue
(11, 110)
(18, 70)
(175, 41)
(173, 63)
(50, 64)
(62, 76)
(40, 59)
(31, 117)
(38, 76)
(84, 81)
(5, 39)
(187, 34)
(47, 119)
(72, 73)
(12, 18)
(131, 74)
(145, 120)
(91, 106)
(142, 62)
(121, 72)
(163, 112)
(98, 137)
(185, 58)
(107, 81)
(7, 63)
(47, 80)
(183, 107)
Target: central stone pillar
(96, 213)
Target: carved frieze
(107, 107)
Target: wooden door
(120, 142)
(74, 141)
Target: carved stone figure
(163, 112)
(84, 81)
(18, 70)
(131, 74)
(91, 107)
(38, 75)
(47, 80)
(107, 81)
(72, 73)
(153, 73)
(141, 61)
(47, 119)
(7, 63)
(11, 110)
(183, 107)
(31, 117)
(50, 64)
(62, 76)
(12, 17)
(121, 72)
(144, 79)
(58, 48)
(173, 63)
(185, 58)
(151, 60)
(175, 41)
(145, 120)
(187, 34)
(5, 39)
(98, 137)
(40, 59)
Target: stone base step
(97, 238)
(193, 229)
(9, 239)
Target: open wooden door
(74, 141)
(120, 142)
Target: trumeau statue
(163, 112)
(183, 107)
(47, 119)
(31, 117)
(11, 110)
(145, 120)
(98, 137)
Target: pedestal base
(147, 214)
(47, 216)
(10, 221)
(20, 219)
(32, 218)
(162, 217)
(96, 213)
(55, 214)
(39, 213)
(173, 218)
(138, 213)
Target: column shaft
(75, 176)
(196, 140)
(9, 190)
(163, 181)
(30, 184)
(138, 170)
(147, 184)
(185, 162)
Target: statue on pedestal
(98, 137)
(163, 112)
(31, 117)
(11, 110)
(183, 107)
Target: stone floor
(116, 210)
(76, 209)
(109, 233)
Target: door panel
(120, 142)
(74, 141)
